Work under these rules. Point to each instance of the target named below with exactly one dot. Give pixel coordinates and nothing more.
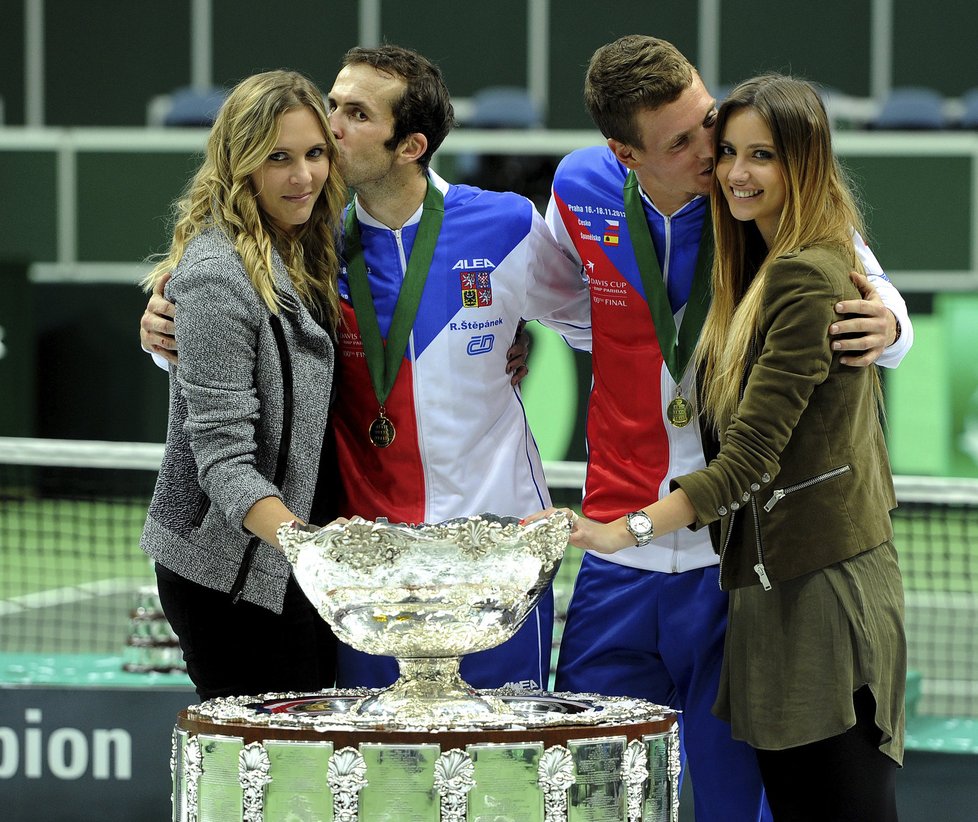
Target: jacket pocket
(203, 506)
(780, 493)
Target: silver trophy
(427, 595)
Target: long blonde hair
(819, 209)
(221, 195)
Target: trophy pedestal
(429, 690)
(542, 758)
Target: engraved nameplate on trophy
(506, 785)
(179, 783)
(221, 795)
(661, 803)
(298, 790)
(399, 779)
(597, 794)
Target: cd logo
(480, 344)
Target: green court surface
(80, 671)
(71, 573)
(941, 734)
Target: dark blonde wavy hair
(221, 195)
(819, 209)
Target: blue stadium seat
(504, 107)
(194, 108)
(911, 108)
(969, 116)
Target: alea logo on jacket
(477, 262)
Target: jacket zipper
(723, 548)
(759, 569)
(285, 443)
(666, 258)
(780, 493)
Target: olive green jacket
(802, 479)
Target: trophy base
(546, 758)
(429, 690)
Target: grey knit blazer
(227, 401)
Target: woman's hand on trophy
(588, 534)
(548, 512)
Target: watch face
(639, 523)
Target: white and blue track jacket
(463, 445)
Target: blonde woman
(254, 267)
(815, 656)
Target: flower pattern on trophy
(453, 780)
(556, 773)
(347, 776)
(253, 776)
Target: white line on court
(69, 594)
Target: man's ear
(624, 153)
(412, 148)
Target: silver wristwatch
(639, 525)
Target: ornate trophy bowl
(427, 595)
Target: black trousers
(242, 649)
(844, 778)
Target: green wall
(17, 352)
(92, 379)
(28, 208)
(828, 41)
(918, 209)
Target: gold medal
(679, 412)
(382, 431)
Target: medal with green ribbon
(384, 361)
(676, 348)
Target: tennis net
(936, 536)
(71, 568)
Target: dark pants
(843, 778)
(242, 649)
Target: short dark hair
(633, 73)
(425, 107)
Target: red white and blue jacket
(463, 445)
(633, 451)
